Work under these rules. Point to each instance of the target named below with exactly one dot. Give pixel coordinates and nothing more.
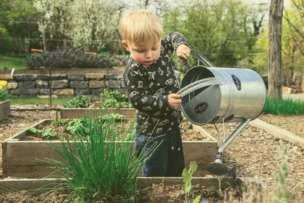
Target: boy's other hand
(174, 100)
(183, 51)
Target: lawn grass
(10, 62)
(36, 100)
(284, 107)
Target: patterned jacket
(148, 88)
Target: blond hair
(140, 26)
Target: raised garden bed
(4, 109)
(25, 156)
(80, 112)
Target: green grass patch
(16, 62)
(283, 107)
(36, 100)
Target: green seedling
(187, 180)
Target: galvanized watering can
(211, 94)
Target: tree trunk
(275, 58)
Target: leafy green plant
(46, 133)
(96, 170)
(284, 106)
(187, 180)
(113, 99)
(78, 102)
(4, 95)
(78, 126)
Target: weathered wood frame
(28, 159)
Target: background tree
(293, 57)
(54, 21)
(275, 59)
(95, 24)
(222, 30)
(18, 28)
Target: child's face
(143, 53)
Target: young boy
(152, 87)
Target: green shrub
(283, 106)
(67, 58)
(113, 99)
(78, 102)
(96, 170)
(3, 95)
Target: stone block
(76, 77)
(96, 83)
(114, 84)
(79, 84)
(94, 76)
(24, 91)
(96, 91)
(58, 76)
(64, 92)
(12, 85)
(42, 84)
(57, 84)
(27, 84)
(25, 77)
(44, 91)
(82, 91)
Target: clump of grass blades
(3, 95)
(283, 106)
(96, 169)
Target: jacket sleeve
(172, 41)
(155, 105)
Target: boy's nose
(148, 54)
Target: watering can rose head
(3, 84)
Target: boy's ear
(125, 45)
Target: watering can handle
(197, 85)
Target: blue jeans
(164, 154)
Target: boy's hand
(174, 100)
(183, 51)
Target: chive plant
(96, 169)
(284, 106)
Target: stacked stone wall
(63, 84)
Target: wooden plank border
(33, 184)
(278, 132)
(29, 159)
